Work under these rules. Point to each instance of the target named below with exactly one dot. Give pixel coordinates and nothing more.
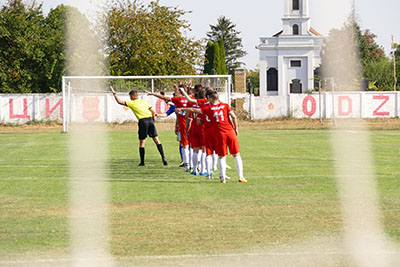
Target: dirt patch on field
(31, 128)
(271, 124)
(146, 205)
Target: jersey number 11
(217, 116)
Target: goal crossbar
(66, 86)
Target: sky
(262, 18)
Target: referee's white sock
(222, 167)
(239, 165)
(209, 164)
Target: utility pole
(353, 14)
(394, 65)
(320, 101)
(250, 99)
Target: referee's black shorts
(147, 128)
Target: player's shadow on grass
(128, 170)
(167, 180)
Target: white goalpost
(88, 99)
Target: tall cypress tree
(225, 30)
(209, 60)
(221, 57)
(215, 58)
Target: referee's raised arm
(119, 101)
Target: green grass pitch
(155, 210)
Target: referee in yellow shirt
(145, 114)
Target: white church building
(289, 59)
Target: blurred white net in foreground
(364, 236)
(88, 155)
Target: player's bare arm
(119, 101)
(161, 115)
(188, 124)
(234, 121)
(191, 110)
(188, 98)
(176, 124)
(163, 97)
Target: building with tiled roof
(289, 58)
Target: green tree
(397, 50)
(397, 56)
(55, 56)
(225, 30)
(21, 48)
(376, 66)
(350, 45)
(32, 46)
(370, 53)
(253, 77)
(221, 66)
(340, 57)
(380, 73)
(148, 40)
(209, 67)
(215, 58)
(83, 46)
(369, 48)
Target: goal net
(88, 98)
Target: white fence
(339, 105)
(18, 109)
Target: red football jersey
(202, 102)
(180, 102)
(194, 116)
(206, 121)
(219, 116)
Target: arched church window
(295, 29)
(296, 5)
(272, 80)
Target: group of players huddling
(206, 127)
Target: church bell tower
(290, 58)
(296, 20)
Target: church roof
(277, 34)
(313, 31)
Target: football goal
(88, 99)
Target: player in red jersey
(180, 102)
(188, 123)
(224, 123)
(208, 137)
(196, 135)
(211, 158)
